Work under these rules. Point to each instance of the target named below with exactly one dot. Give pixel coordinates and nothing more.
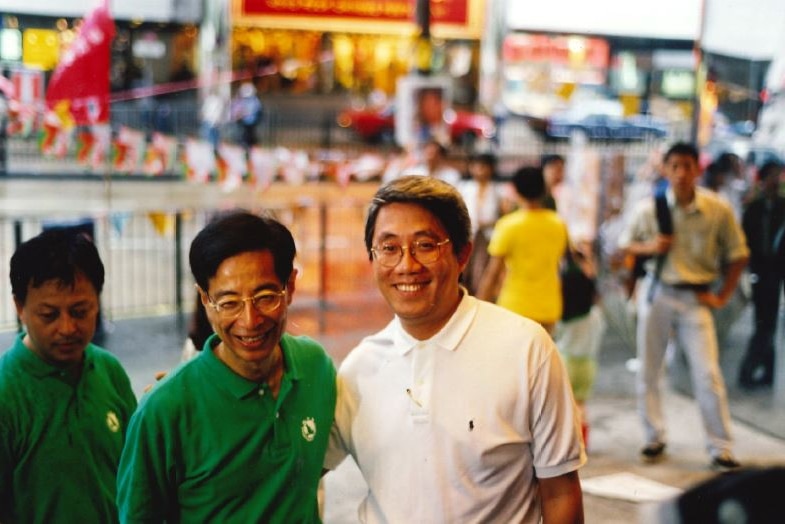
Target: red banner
(81, 79)
(442, 11)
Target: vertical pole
(700, 77)
(322, 266)
(424, 47)
(178, 263)
(17, 242)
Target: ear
(464, 255)
(290, 286)
(20, 309)
(203, 296)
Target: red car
(378, 125)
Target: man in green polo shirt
(239, 433)
(64, 403)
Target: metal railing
(146, 254)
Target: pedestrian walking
(763, 219)
(706, 244)
(483, 196)
(526, 249)
(246, 111)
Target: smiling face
(60, 320)
(422, 296)
(249, 341)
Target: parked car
(606, 127)
(378, 124)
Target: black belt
(689, 287)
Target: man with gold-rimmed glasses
(458, 410)
(239, 433)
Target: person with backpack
(706, 244)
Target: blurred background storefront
(357, 46)
(561, 54)
(156, 40)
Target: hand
(711, 300)
(661, 244)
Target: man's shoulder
(304, 344)
(503, 321)
(10, 375)
(307, 351)
(707, 197)
(175, 389)
(103, 357)
(371, 347)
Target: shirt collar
(241, 387)
(449, 337)
(38, 367)
(698, 203)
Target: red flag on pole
(81, 78)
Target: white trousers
(676, 314)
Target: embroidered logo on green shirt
(112, 422)
(309, 429)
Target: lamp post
(423, 51)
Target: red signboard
(527, 47)
(454, 12)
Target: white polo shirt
(457, 427)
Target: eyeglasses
(265, 302)
(424, 251)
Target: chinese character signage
(452, 16)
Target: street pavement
(148, 345)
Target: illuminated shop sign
(299, 13)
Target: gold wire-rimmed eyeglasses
(390, 254)
(265, 302)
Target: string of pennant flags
(128, 151)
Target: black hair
(237, 232)
(199, 327)
(529, 182)
(681, 149)
(728, 161)
(56, 254)
(489, 159)
(770, 168)
(713, 176)
(439, 198)
(441, 148)
(550, 159)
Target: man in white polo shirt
(458, 410)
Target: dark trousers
(757, 368)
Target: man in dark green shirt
(64, 403)
(239, 433)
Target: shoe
(653, 452)
(724, 462)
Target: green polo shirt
(60, 442)
(207, 445)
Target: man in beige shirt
(707, 245)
